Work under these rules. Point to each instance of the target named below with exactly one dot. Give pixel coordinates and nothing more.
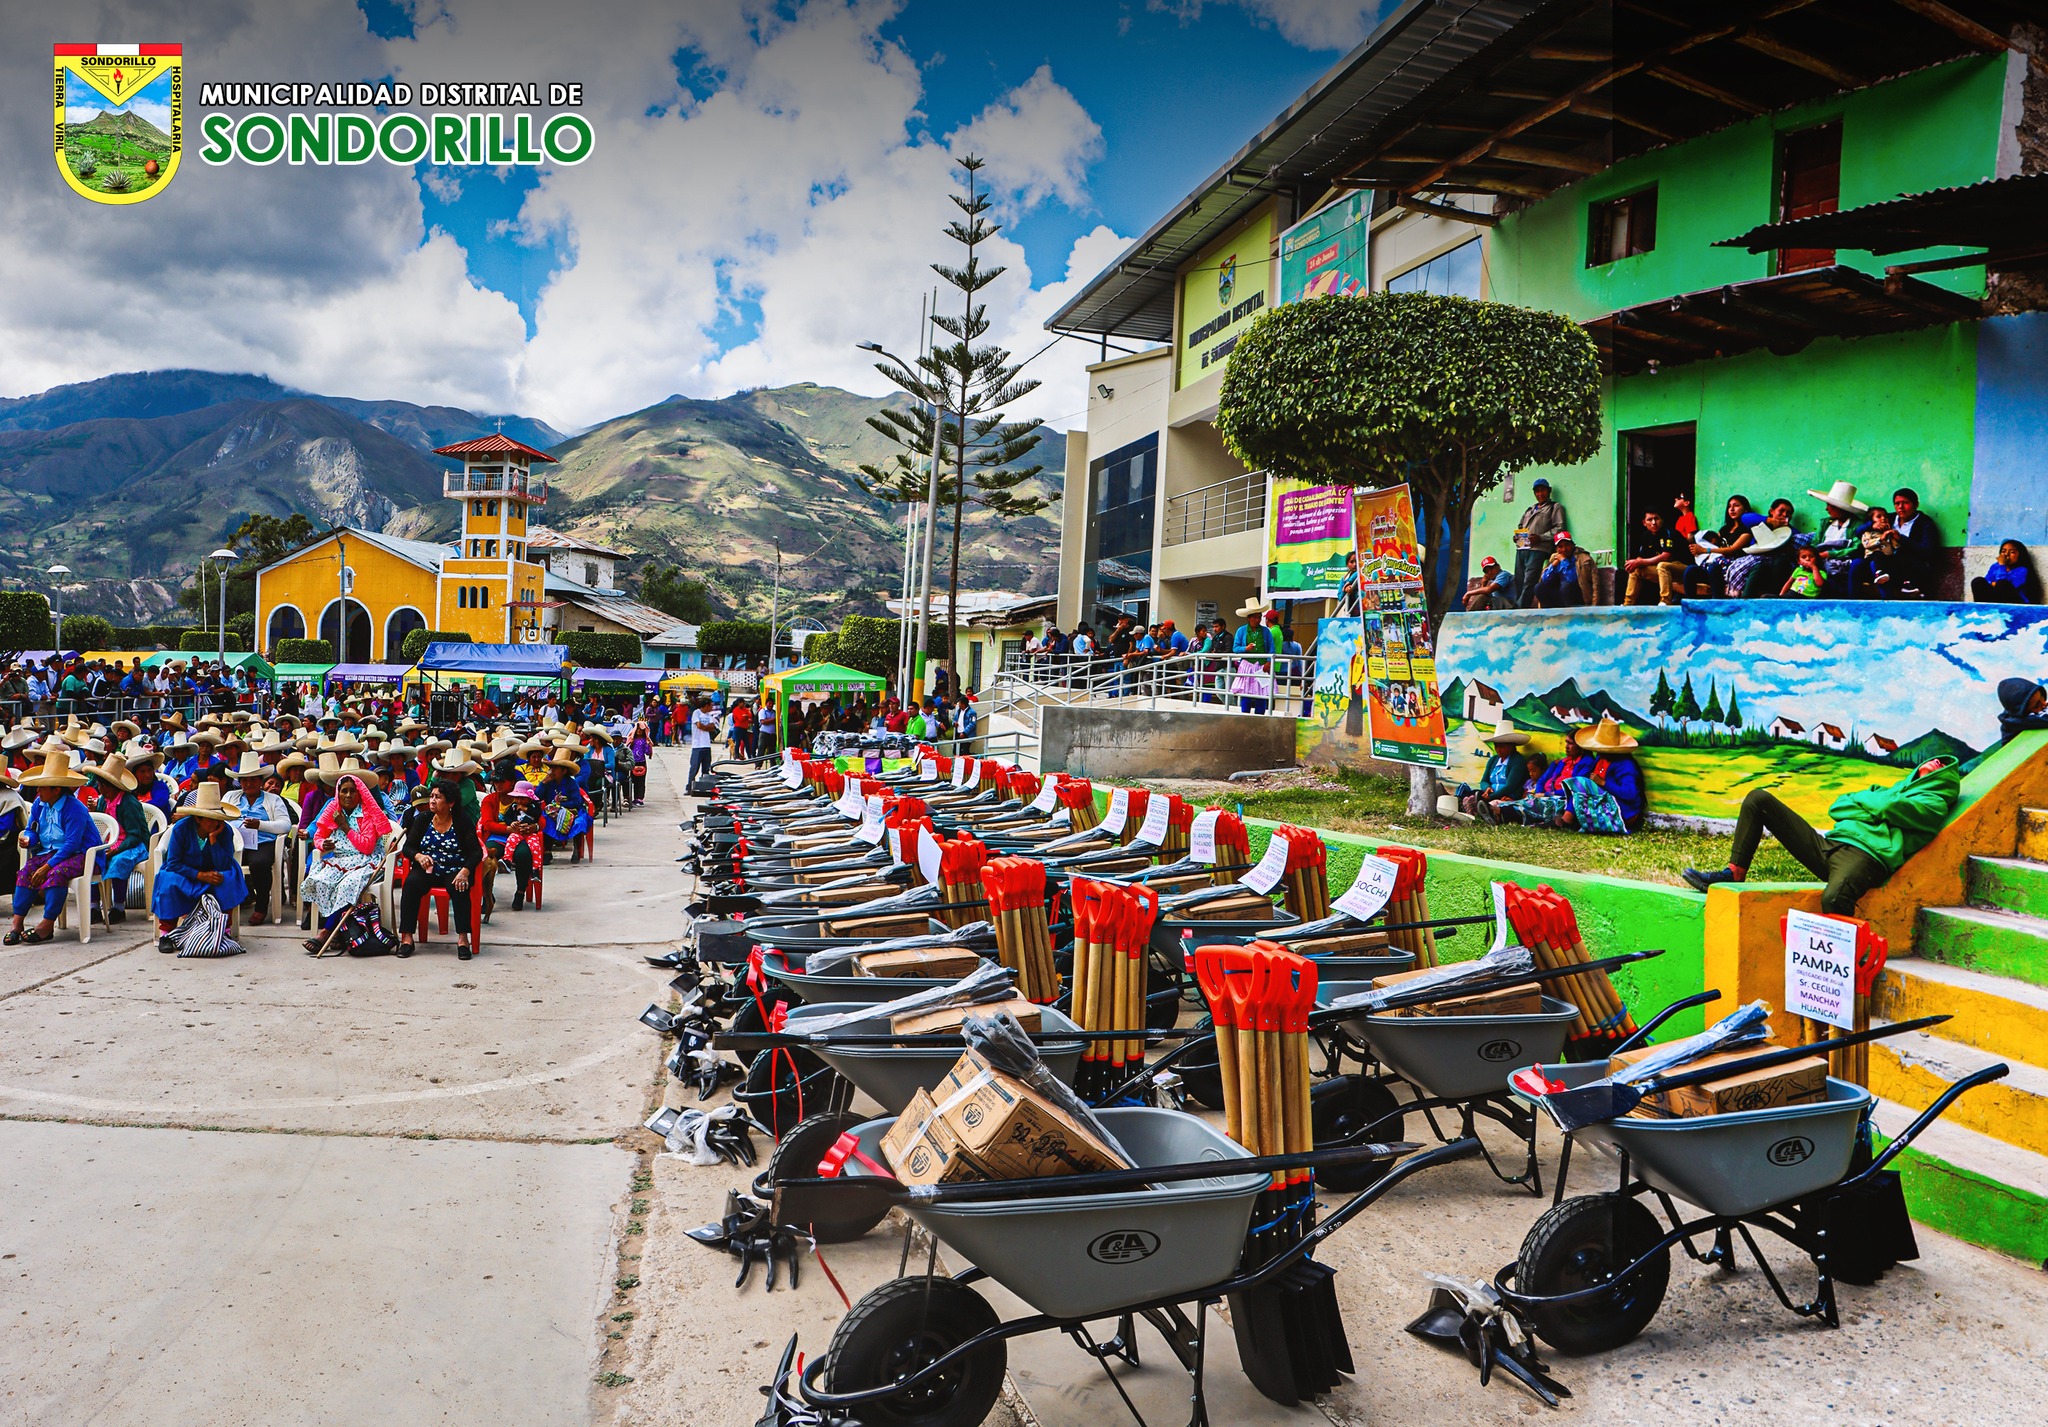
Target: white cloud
(1038, 141)
(1312, 24)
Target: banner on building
(1310, 538)
(1326, 253)
(1406, 711)
(1219, 297)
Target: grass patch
(1370, 805)
(613, 1379)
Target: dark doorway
(356, 648)
(1660, 469)
(1809, 183)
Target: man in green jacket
(1875, 831)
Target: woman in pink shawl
(350, 840)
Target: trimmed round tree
(1446, 394)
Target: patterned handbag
(204, 932)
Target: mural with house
(1723, 696)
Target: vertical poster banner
(1406, 708)
(1340, 674)
(1310, 537)
(1324, 255)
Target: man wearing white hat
(1837, 542)
(260, 819)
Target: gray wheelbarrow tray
(786, 969)
(891, 1074)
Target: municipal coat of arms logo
(120, 118)
(1226, 280)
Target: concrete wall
(1137, 743)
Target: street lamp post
(61, 574)
(223, 557)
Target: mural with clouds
(1809, 701)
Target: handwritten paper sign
(930, 857)
(792, 775)
(1500, 917)
(849, 804)
(895, 846)
(1370, 890)
(928, 769)
(871, 821)
(1048, 795)
(1202, 837)
(1153, 829)
(1266, 876)
(1119, 811)
(1820, 968)
(964, 773)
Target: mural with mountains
(130, 479)
(1727, 696)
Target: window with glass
(1624, 227)
(1117, 568)
(1452, 274)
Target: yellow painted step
(2033, 834)
(2005, 1017)
(1914, 1070)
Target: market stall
(314, 674)
(449, 671)
(255, 664)
(810, 684)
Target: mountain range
(129, 480)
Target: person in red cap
(1495, 589)
(1568, 581)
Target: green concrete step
(1986, 939)
(1971, 1186)
(2007, 1018)
(2034, 834)
(1915, 1069)
(2011, 884)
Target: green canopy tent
(256, 664)
(315, 674)
(793, 686)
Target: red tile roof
(488, 445)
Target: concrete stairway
(1985, 1177)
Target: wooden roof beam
(1679, 79)
(1961, 26)
(1799, 59)
(1547, 158)
(1448, 210)
(1573, 53)
(1599, 109)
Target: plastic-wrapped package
(1003, 1043)
(987, 986)
(975, 936)
(1748, 1025)
(1508, 961)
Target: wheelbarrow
(1154, 1242)
(1593, 1269)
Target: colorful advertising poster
(1221, 295)
(1325, 253)
(1340, 674)
(1406, 712)
(1309, 539)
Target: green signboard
(1327, 252)
(1220, 295)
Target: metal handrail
(1207, 681)
(1228, 507)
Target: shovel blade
(1590, 1105)
(813, 1201)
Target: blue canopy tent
(532, 665)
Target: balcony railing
(488, 483)
(1226, 508)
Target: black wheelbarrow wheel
(1346, 1106)
(1583, 1243)
(903, 1326)
(782, 1085)
(748, 1020)
(796, 1157)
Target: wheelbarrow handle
(1928, 1116)
(1642, 1037)
(1333, 1015)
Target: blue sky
(768, 188)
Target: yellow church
(364, 591)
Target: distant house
(1570, 715)
(1786, 728)
(1483, 705)
(1878, 746)
(1826, 735)
(587, 563)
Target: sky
(769, 186)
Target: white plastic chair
(79, 904)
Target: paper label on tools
(930, 858)
(1820, 968)
(928, 769)
(1048, 794)
(963, 772)
(1119, 811)
(1371, 890)
(1157, 811)
(849, 803)
(1202, 836)
(1266, 876)
(1501, 931)
(871, 822)
(895, 846)
(792, 775)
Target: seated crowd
(1856, 551)
(239, 800)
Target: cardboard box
(880, 927)
(950, 1018)
(983, 1124)
(1246, 906)
(1803, 1082)
(859, 892)
(932, 961)
(1510, 1001)
(1343, 944)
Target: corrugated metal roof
(491, 445)
(1999, 213)
(425, 554)
(1297, 154)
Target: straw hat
(455, 764)
(7, 778)
(76, 733)
(350, 768)
(174, 719)
(209, 738)
(289, 764)
(341, 743)
(136, 752)
(571, 765)
(410, 727)
(1253, 606)
(1506, 732)
(20, 736)
(395, 750)
(596, 731)
(1841, 495)
(326, 770)
(112, 769)
(1605, 737)
(125, 728)
(205, 804)
(251, 766)
(435, 745)
(57, 771)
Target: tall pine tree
(965, 387)
(1734, 719)
(1687, 710)
(1663, 700)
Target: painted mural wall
(1807, 701)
